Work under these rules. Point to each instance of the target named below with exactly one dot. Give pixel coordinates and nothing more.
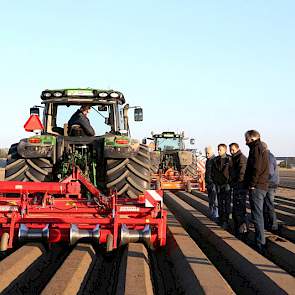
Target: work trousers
(239, 208)
(224, 203)
(213, 204)
(270, 217)
(256, 197)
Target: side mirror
(102, 108)
(34, 111)
(192, 141)
(144, 141)
(138, 114)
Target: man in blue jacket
(270, 218)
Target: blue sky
(213, 69)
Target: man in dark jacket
(79, 123)
(221, 176)
(210, 186)
(256, 180)
(270, 217)
(239, 162)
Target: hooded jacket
(221, 170)
(239, 162)
(257, 169)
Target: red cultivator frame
(65, 211)
(173, 180)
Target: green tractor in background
(112, 160)
(169, 155)
(169, 148)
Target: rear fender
(185, 158)
(38, 146)
(120, 147)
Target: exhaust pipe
(77, 234)
(33, 234)
(135, 236)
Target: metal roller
(33, 234)
(135, 236)
(4, 242)
(77, 234)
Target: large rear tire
(20, 169)
(155, 161)
(191, 171)
(130, 176)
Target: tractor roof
(82, 96)
(167, 134)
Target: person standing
(239, 162)
(256, 181)
(210, 186)
(270, 217)
(221, 177)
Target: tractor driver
(170, 171)
(79, 123)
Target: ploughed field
(287, 177)
(200, 258)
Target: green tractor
(169, 151)
(111, 160)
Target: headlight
(57, 94)
(47, 94)
(102, 94)
(114, 95)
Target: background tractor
(173, 166)
(110, 160)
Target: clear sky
(213, 69)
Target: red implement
(174, 180)
(75, 209)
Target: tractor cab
(109, 113)
(168, 141)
